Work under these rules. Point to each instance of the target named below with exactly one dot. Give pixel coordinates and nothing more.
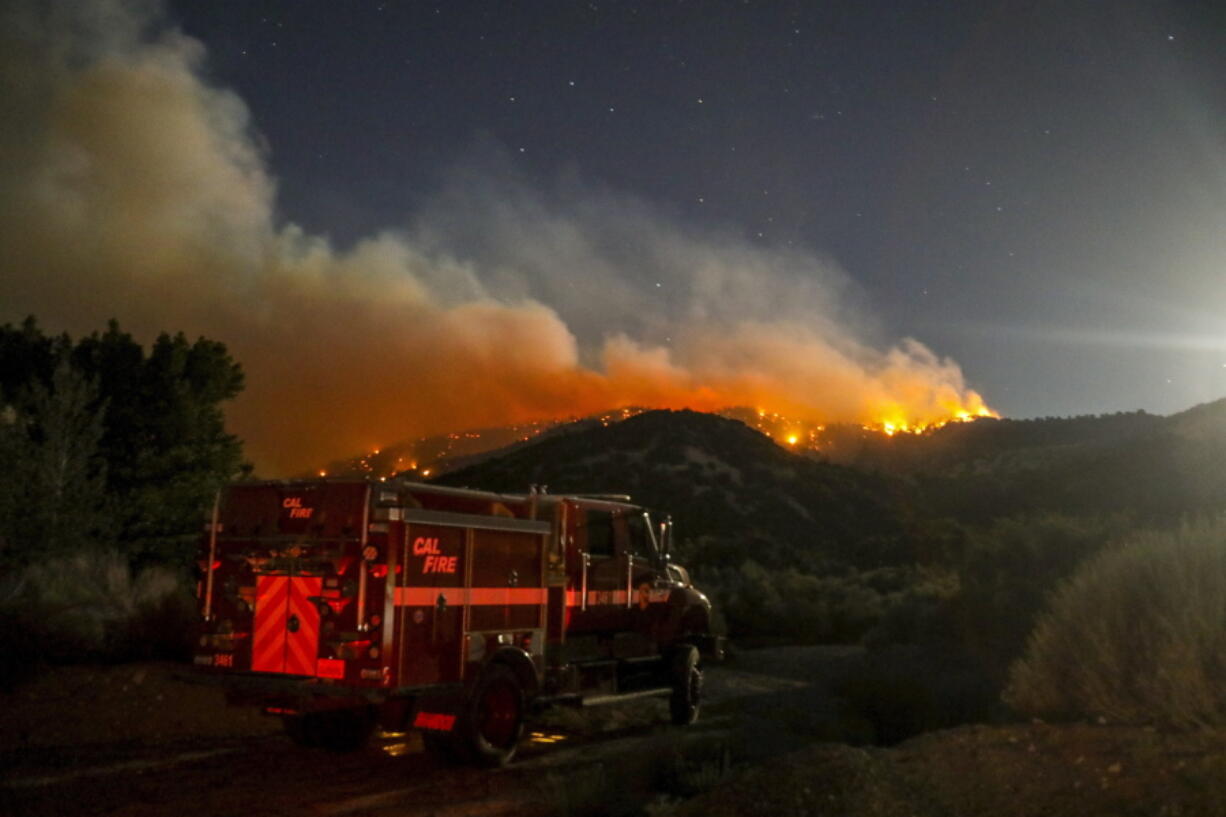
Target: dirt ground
(138, 740)
(135, 703)
(1024, 770)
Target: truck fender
(521, 664)
(690, 614)
(696, 620)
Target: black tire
(342, 730)
(686, 699)
(492, 721)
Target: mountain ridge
(727, 486)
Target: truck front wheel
(687, 686)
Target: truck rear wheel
(493, 718)
(687, 686)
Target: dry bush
(1137, 635)
(91, 605)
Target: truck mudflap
(437, 712)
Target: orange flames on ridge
(794, 432)
(423, 456)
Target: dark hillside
(986, 444)
(1154, 468)
(856, 501)
(1206, 421)
(727, 486)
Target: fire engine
(342, 605)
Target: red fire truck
(341, 605)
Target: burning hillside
(433, 455)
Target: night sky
(1035, 189)
(1035, 192)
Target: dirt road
(136, 741)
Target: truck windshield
(642, 537)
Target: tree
(26, 356)
(163, 440)
(52, 494)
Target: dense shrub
(1138, 634)
(91, 605)
(757, 602)
(1006, 573)
(919, 612)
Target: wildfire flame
(794, 432)
(895, 425)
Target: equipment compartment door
(508, 590)
(431, 603)
(286, 636)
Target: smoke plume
(132, 187)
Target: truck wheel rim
(499, 715)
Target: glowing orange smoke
(138, 191)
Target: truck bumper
(296, 692)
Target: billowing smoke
(131, 187)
